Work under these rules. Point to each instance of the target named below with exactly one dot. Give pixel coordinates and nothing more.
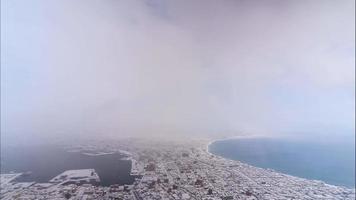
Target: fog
(177, 68)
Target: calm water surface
(47, 162)
(333, 162)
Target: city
(177, 100)
(172, 170)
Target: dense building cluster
(173, 170)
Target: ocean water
(47, 162)
(332, 162)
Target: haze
(168, 68)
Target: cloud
(173, 67)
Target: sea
(332, 162)
(46, 162)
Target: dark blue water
(331, 162)
(47, 162)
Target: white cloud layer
(146, 67)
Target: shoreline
(230, 138)
(260, 136)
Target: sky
(169, 67)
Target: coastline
(267, 169)
(233, 179)
(231, 138)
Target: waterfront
(45, 163)
(332, 162)
(172, 170)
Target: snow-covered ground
(76, 176)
